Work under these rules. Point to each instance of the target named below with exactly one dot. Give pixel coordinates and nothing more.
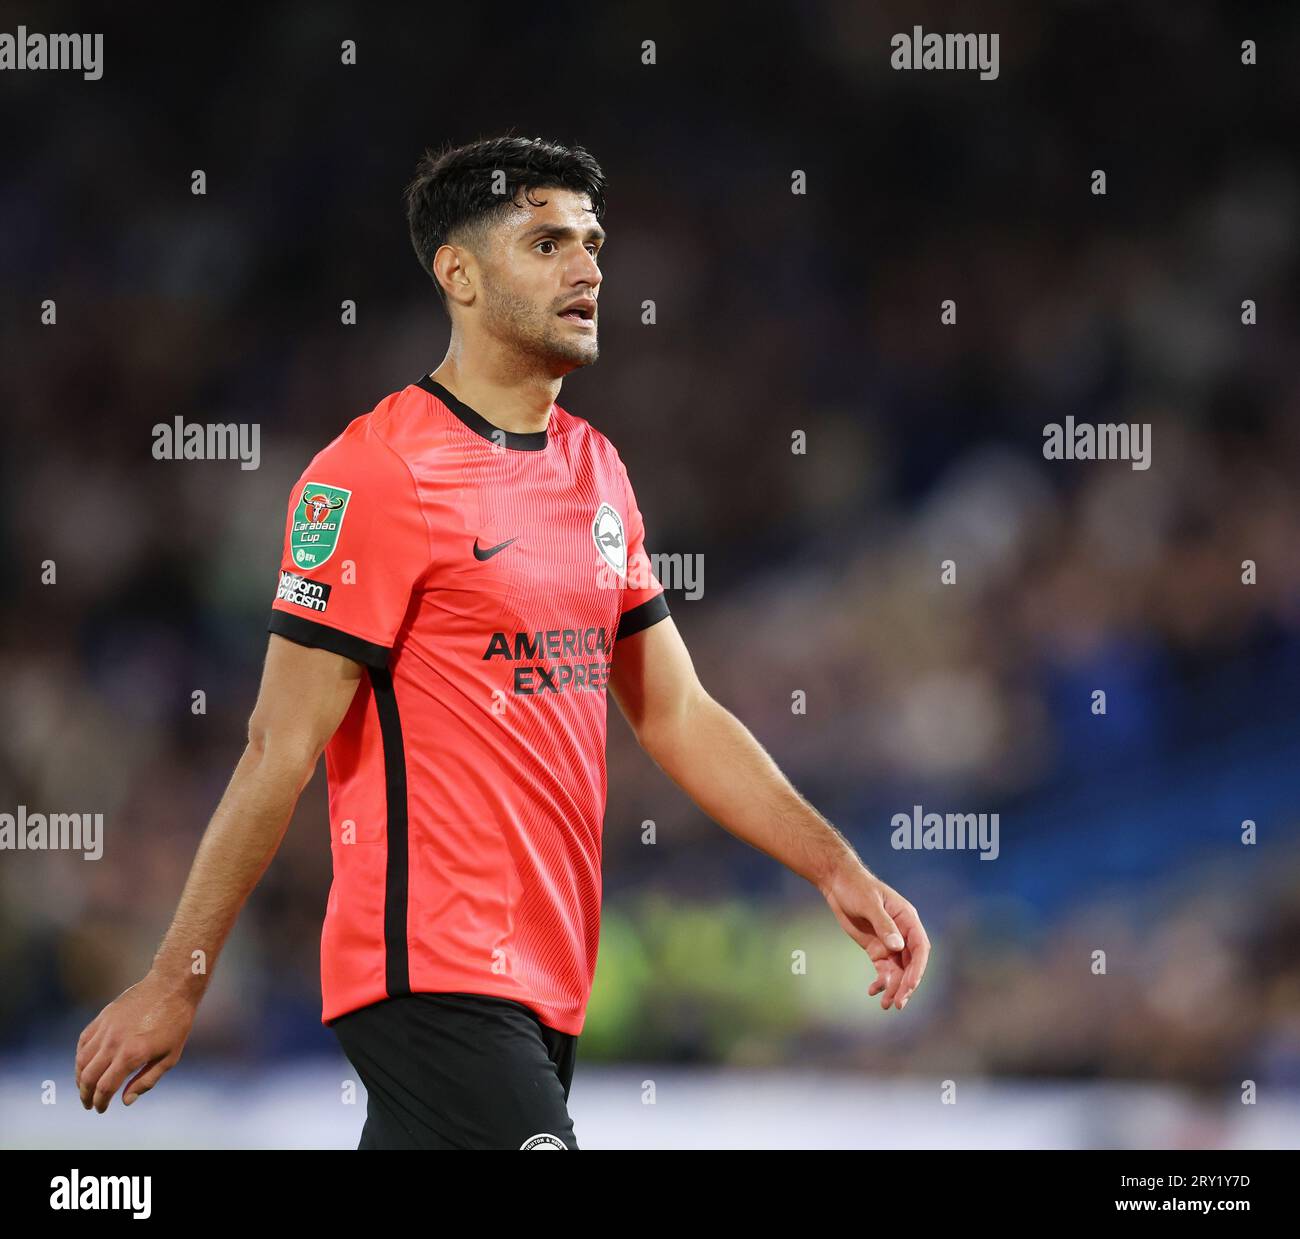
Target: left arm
(715, 759)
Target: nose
(587, 271)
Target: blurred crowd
(825, 622)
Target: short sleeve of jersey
(355, 545)
(643, 597)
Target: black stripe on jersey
(300, 629)
(397, 964)
(649, 612)
(519, 440)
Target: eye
(546, 242)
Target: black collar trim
(520, 441)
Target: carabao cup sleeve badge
(317, 521)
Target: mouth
(582, 313)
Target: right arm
(305, 693)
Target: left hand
(886, 926)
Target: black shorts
(459, 1071)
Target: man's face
(541, 279)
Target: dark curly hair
(452, 198)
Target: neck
(511, 397)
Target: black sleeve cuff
(322, 637)
(649, 612)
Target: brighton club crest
(317, 519)
(607, 533)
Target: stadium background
(776, 312)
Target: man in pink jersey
(463, 578)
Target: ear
(454, 270)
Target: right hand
(886, 926)
(140, 1035)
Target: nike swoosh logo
(487, 552)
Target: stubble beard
(538, 334)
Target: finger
(910, 923)
(916, 967)
(887, 969)
(900, 996)
(146, 1079)
(112, 1079)
(887, 974)
(891, 990)
(883, 924)
(87, 1048)
(90, 1074)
